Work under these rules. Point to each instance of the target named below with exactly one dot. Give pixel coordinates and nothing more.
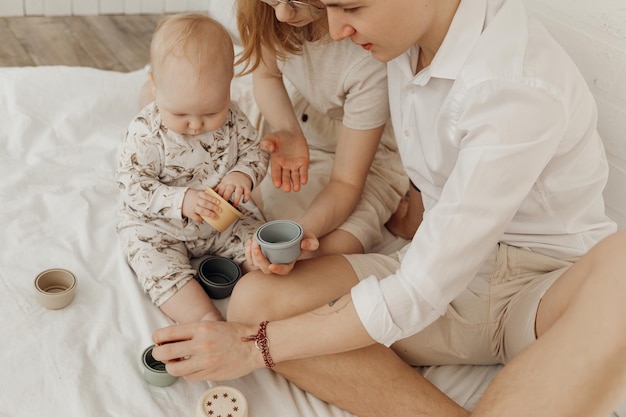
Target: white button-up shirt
(499, 134)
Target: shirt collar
(463, 34)
(465, 30)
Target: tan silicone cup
(55, 288)
(222, 401)
(228, 215)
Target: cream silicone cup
(55, 288)
(223, 401)
(227, 216)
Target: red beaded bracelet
(262, 343)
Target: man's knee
(596, 277)
(606, 262)
(613, 244)
(250, 298)
(606, 283)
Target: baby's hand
(235, 187)
(198, 204)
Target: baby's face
(189, 104)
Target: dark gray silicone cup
(154, 371)
(218, 276)
(280, 241)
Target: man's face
(385, 28)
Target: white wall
(90, 7)
(594, 34)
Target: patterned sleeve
(251, 159)
(141, 161)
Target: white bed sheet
(59, 132)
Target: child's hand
(235, 187)
(198, 203)
(289, 158)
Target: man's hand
(408, 216)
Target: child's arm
(140, 165)
(286, 144)
(250, 158)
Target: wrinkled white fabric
(61, 130)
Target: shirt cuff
(390, 310)
(372, 311)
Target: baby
(190, 137)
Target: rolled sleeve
(385, 321)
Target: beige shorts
(378, 202)
(491, 321)
(385, 184)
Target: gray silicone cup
(218, 276)
(280, 241)
(154, 371)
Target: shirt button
(407, 133)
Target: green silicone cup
(154, 371)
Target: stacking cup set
(280, 242)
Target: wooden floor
(110, 42)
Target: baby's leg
(232, 242)
(191, 304)
(164, 272)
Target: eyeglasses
(313, 6)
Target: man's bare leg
(368, 382)
(577, 367)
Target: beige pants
(162, 262)
(491, 321)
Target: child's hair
(195, 37)
(258, 27)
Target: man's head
(387, 28)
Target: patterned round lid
(222, 401)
